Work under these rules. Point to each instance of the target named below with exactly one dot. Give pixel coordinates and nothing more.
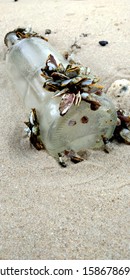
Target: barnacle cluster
(33, 130)
(74, 83)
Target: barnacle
(119, 91)
(33, 130)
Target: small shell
(58, 76)
(35, 130)
(51, 64)
(78, 80)
(33, 117)
(60, 92)
(51, 85)
(44, 74)
(60, 68)
(84, 70)
(86, 82)
(84, 95)
(103, 43)
(125, 134)
(72, 71)
(66, 83)
(66, 102)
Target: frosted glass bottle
(25, 58)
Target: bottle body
(81, 128)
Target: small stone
(47, 31)
(103, 43)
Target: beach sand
(82, 211)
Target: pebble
(48, 31)
(103, 43)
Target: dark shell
(95, 105)
(36, 142)
(61, 92)
(86, 82)
(124, 119)
(78, 80)
(51, 85)
(48, 31)
(51, 63)
(60, 68)
(74, 157)
(52, 60)
(58, 76)
(103, 43)
(65, 83)
(122, 132)
(44, 74)
(72, 71)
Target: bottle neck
(11, 39)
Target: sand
(82, 211)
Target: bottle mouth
(10, 39)
(13, 37)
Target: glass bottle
(81, 127)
